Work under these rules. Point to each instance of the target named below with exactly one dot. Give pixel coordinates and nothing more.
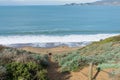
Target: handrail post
(90, 71)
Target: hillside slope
(104, 54)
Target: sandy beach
(55, 50)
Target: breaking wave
(45, 40)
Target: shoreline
(38, 40)
(50, 44)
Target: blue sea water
(60, 24)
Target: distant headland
(101, 2)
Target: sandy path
(102, 75)
(54, 72)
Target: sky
(41, 2)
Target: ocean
(51, 26)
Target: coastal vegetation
(103, 54)
(22, 65)
(16, 64)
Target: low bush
(109, 65)
(22, 65)
(96, 53)
(25, 71)
(110, 39)
(2, 73)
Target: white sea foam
(7, 40)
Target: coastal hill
(104, 55)
(101, 2)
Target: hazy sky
(42, 2)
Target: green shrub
(41, 75)
(110, 39)
(25, 71)
(109, 65)
(2, 73)
(22, 65)
(98, 54)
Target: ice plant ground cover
(104, 54)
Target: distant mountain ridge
(101, 2)
(107, 2)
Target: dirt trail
(54, 72)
